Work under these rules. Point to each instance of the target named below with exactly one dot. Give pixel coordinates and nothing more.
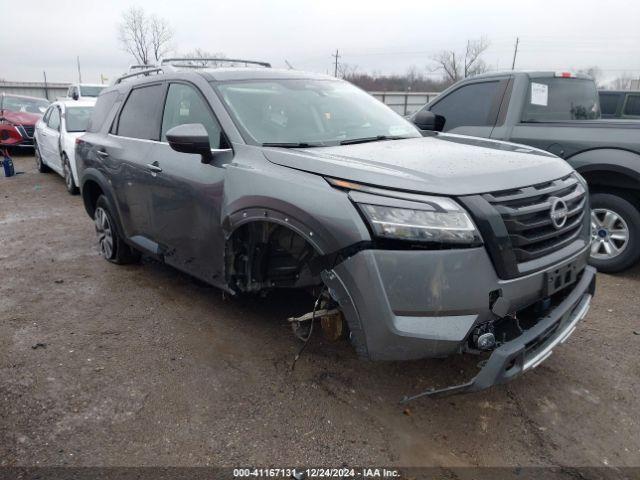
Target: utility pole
(46, 88)
(515, 53)
(79, 74)
(336, 56)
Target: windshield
(76, 118)
(24, 104)
(304, 112)
(557, 99)
(90, 91)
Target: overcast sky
(375, 35)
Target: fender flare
(233, 222)
(620, 161)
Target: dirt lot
(141, 365)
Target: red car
(22, 113)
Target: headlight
(411, 217)
(421, 225)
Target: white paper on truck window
(539, 94)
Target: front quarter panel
(324, 214)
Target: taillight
(565, 75)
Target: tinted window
(54, 119)
(557, 99)
(632, 107)
(139, 116)
(46, 115)
(185, 105)
(101, 111)
(90, 91)
(609, 103)
(77, 118)
(470, 105)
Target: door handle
(154, 167)
(102, 153)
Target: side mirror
(190, 138)
(75, 95)
(426, 120)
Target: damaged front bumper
(531, 348)
(403, 305)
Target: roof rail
(140, 66)
(145, 73)
(168, 61)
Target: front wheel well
(260, 255)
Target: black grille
(28, 129)
(526, 213)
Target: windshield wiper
(372, 139)
(291, 144)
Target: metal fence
(405, 103)
(50, 91)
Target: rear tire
(615, 233)
(111, 245)
(40, 165)
(69, 182)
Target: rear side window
(632, 107)
(609, 103)
(185, 105)
(101, 111)
(471, 105)
(139, 117)
(559, 99)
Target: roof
(237, 73)
(220, 74)
(75, 103)
(530, 73)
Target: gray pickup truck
(559, 113)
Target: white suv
(83, 91)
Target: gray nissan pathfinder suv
(414, 245)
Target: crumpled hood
(21, 118)
(439, 164)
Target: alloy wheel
(609, 234)
(104, 232)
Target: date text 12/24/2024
(308, 473)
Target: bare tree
(347, 70)
(146, 37)
(623, 82)
(161, 35)
(595, 73)
(457, 66)
(198, 55)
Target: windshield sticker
(539, 94)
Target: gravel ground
(104, 365)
